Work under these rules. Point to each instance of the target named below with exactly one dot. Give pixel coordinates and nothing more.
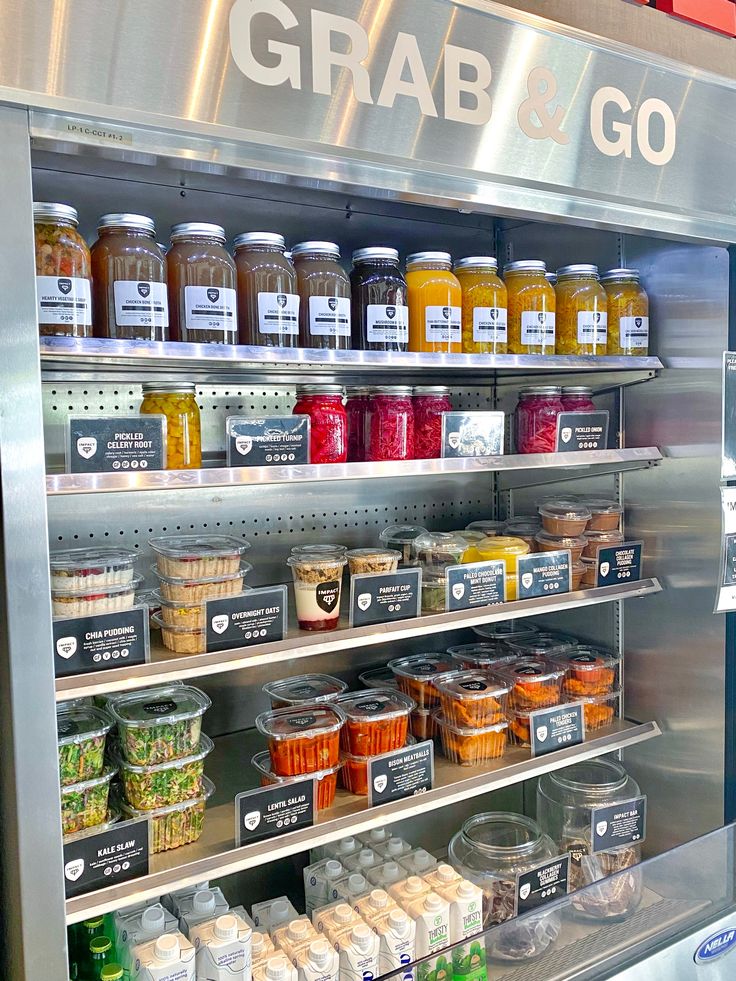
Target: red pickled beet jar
(357, 411)
(328, 438)
(578, 398)
(429, 402)
(390, 427)
(535, 419)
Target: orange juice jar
(484, 306)
(531, 308)
(435, 303)
(628, 312)
(582, 311)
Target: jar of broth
(380, 314)
(324, 296)
(201, 282)
(267, 291)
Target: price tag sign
(380, 597)
(124, 444)
(544, 574)
(106, 858)
(556, 728)
(728, 429)
(403, 773)
(582, 431)
(269, 441)
(619, 563)
(475, 584)
(273, 811)
(541, 885)
(726, 596)
(614, 825)
(255, 617)
(472, 434)
(100, 641)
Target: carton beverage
(342, 848)
(272, 912)
(466, 920)
(292, 936)
(173, 900)
(261, 948)
(223, 949)
(393, 849)
(334, 920)
(207, 904)
(146, 924)
(397, 935)
(431, 913)
(376, 836)
(418, 862)
(358, 951)
(167, 958)
(318, 881)
(375, 907)
(408, 891)
(366, 858)
(318, 961)
(351, 887)
(276, 968)
(440, 878)
(383, 876)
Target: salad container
(326, 779)
(472, 699)
(161, 784)
(382, 677)
(90, 600)
(588, 670)
(175, 824)
(87, 568)
(416, 676)
(111, 818)
(533, 684)
(472, 745)
(302, 738)
(178, 590)
(82, 733)
(375, 722)
(84, 804)
(159, 724)
(304, 688)
(198, 556)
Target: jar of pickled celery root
(582, 311)
(484, 306)
(628, 313)
(176, 401)
(531, 308)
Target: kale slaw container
(159, 724)
(82, 733)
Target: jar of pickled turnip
(328, 432)
(177, 402)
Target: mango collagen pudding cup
(317, 585)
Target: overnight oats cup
(317, 585)
(198, 556)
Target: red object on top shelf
(718, 15)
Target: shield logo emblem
(282, 300)
(213, 295)
(527, 579)
(390, 312)
(540, 317)
(86, 447)
(332, 303)
(454, 440)
(446, 313)
(601, 828)
(66, 647)
(605, 568)
(493, 312)
(243, 444)
(251, 820)
(364, 601)
(566, 434)
(380, 783)
(638, 321)
(542, 733)
(73, 869)
(597, 318)
(220, 622)
(525, 891)
(144, 289)
(65, 286)
(458, 590)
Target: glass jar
(129, 280)
(628, 313)
(578, 398)
(484, 303)
(379, 310)
(390, 425)
(268, 301)
(582, 311)
(531, 308)
(201, 280)
(566, 803)
(435, 303)
(324, 296)
(63, 272)
(535, 419)
(328, 432)
(551, 278)
(176, 401)
(490, 850)
(429, 402)
(357, 413)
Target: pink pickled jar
(357, 411)
(328, 434)
(535, 419)
(390, 424)
(578, 398)
(429, 402)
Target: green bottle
(111, 972)
(101, 955)
(85, 933)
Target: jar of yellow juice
(531, 308)
(435, 303)
(177, 402)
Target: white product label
(64, 300)
(592, 328)
(278, 313)
(443, 325)
(388, 324)
(489, 325)
(329, 316)
(209, 308)
(633, 332)
(140, 304)
(538, 328)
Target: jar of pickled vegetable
(324, 296)
(551, 278)
(63, 272)
(357, 413)
(429, 402)
(484, 305)
(531, 308)
(129, 280)
(628, 313)
(435, 303)
(176, 401)
(582, 311)
(535, 419)
(390, 426)
(328, 433)
(201, 280)
(268, 301)
(578, 398)
(379, 311)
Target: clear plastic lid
(522, 527)
(542, 644)
(565, 510)
(402, 534)
(92, 591)
(471, 685)
(602, 505)
(193, 547)
(468, 731)
(318, 549)
(300, 721)
(378, 678)
(586, 659)
(375, 706)
(423, 667)
(506, 630)
(481, 655)
(92, 561)
(178, 628)
(559, 541)
(305, 688)
(603, 537)
(372, 559)
(245, 568)
(159, 706)
(205, 748)
(262, 762)
(208, 789)
(155, 599)
(487, 527)
(78, 788)
(503, 545)
(75, 724)
(529, 669)
(440, 547)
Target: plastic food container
(504, 548)
(90, 600)
(328, 431)
(436, 550)
(402, 538)
(84, 804)
(524, 528)
(302, 738)
(470, 746)
(577, 571)
(176, 824)
(512, 588)
(177, 402)
(605, 515)
(596, 540)
(519, 728)
(504, 631)
(354, 773)
(564, 519)
(588, 670)
(82, 732)
(159, 724)
(471, 540)
(554, 543)
(181, 640)
(161, 784)
(199, 590)
(111, 818)
(541, 645)
(416, 676)
(317, 585)
(472, 699)
(533, 684)
(375, 722)
(326, 779)
(84, 568)
(304, 688)
(487, 527)
(365, 560)
(429, 403)
(480, 656)
(600, 711)
(198, 556)
(382, 677)
(535, 419)
(423, 725)
(434, 593)
(590, 573)
(390, 423)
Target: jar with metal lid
(628, 313)
(491, 850)
(379, 310)
(63, 272)
(201, 281)
(324, 296)
(429, 402)
(129, 280)
(578, 398)
(535, 419)
(551, 278)
(582, 311)
(435, 303)
(531, 308)
(484, 305)
(356, 409)
(177, 402)
(567, 801)
(390, 426)
(268, 301)
(328, 429)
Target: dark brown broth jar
(267, 291)
(63, 272)
(324, 294)
(129, 280)
(201, 278)
(380, 314)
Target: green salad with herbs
(179, 827)
(82, 733)
(158, 787)
(84, 805)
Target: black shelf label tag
(619, 563)
(381, 597)
(544, 574)
(268, 441)
(402, 773)
(582, 431)
(101, 641)
(255, 617)
(615, 825)
(107, 858)
(475, 584)
(541, 885)
(472, 434)
(556, 728)
(273, 811)
(122, 444)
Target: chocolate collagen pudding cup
(317, 585)
(605, 514)
(564, 518)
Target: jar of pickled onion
(390, 425)
(357, 413)
(429, 402)
(628, 313)
(177, 401)
(435, 303)
(578, 398)
(535, 419)
(484, 305)
(582, 311)
(531, 308)
(328, 433)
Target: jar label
(633, 332)
(209, 308)
(538, 328)
(329, 316)
(387, 324)
(140, 304)
(64, 300)
(443, 325)
(278, 313)
(593, 328)
(489, 324)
